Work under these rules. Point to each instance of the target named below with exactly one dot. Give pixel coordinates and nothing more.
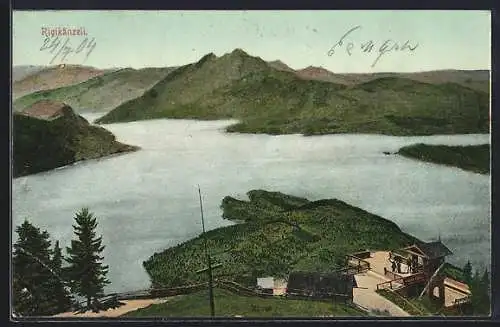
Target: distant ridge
(53, 77)
(318, 73)
(22, 71)
(280, 65)
(102, 92)
(275, 101)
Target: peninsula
(49, 134)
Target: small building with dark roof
(430, 254)
(333, 285)
(434, 250)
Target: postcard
(243, 164)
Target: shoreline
(236, 121)
(123, 151)
(470, 158)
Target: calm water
(147, 201)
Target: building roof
(265, 282)
(46, 109)
(334, 282)
(432, 250)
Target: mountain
(49, 135)
(21, 71)
(180, 92)
(53, 77)
(266, 100)
(280, 65)
(100, 93)
(318, 73)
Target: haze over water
(147, 201)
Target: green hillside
(41, 145)
(266, 100)
(474, 158)
(228, 304)
(279, 233)
(100, 93)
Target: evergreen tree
(32, 275)
(86, 270)
(59, 291)
(480, 295)
(467, 273)
(485, 293)
(485, 280)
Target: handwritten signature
(369, 46)
(61, 50)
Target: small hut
(336, 285)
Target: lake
(147, 201)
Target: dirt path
(130, 305)
(365, 295)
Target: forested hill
(277, 101)
(277, 233)
(50, 135)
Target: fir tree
(485, 293)
(60, 292)
(480, 295)
(32, 275)
(485, 280)
(467, 273)
(86, 270)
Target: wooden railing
(360, 265)
(413, 279)
(362, 254)
(462, 300)
(390, 283)
(164, 292)
(240, 289)
(390, 274)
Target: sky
(439, 39)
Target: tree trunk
(88, 302)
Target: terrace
(411, 270)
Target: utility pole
(209, 261)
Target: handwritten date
(62, 47)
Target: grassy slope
(418, 306)
(267, 100)
(279, 234)
(474, 158)
(41, 145)
(228, 304)
(102, 92)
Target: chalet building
(417, 267)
